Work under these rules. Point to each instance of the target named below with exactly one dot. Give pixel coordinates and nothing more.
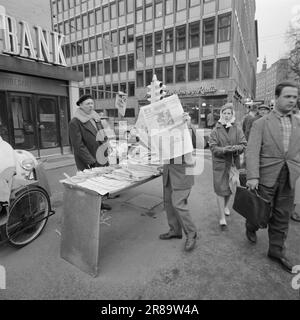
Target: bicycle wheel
(28, 215)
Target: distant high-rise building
(203, 50)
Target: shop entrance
(35, 122)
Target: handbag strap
(262, 198)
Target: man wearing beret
(87, 136)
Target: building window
(223, 68)
(86, 46)
(121, 7)
(194, 3)
(180, 5)
(169, 41)
(148, 12)
(224, 27)
(208, 31)
(91, 19)
(94, 93)
(158, 8)
(100, 68)
(208, 69)
(112, 113)
(92, 44)
(99, 42)
(72, 25)
(130, 6)
(194, 35)
(122, 35)
(66, 27)
(100, 92)
(114, 65)
(87, 90)
(169, 6)
(180, 38)
(194, 71)
(130, 62)
(140, 79)
(86, 70)
(93, 69)
(148, 45)
(108, 91)
(139, 44)
(105, 14)
(113, 10)
(131, 89)
(79, 47)
(59, 6)
(123, 64)
(130, 34)
(107, 66)
(180, 73)
(158, 42)
(66, 5)
(149, 76)
(115, 89)
(84, 21)
(98, 16)
(130, 113)
(159, 74)
(114, 37)
(169, 74)
(80, 68)
(78, 23)
(139, 15)
(123, 87)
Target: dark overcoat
(221, 161)
(84, 143)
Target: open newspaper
(161, 123)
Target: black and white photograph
(94, 207)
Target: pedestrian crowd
(269, 140)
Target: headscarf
(222, 120)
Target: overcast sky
(273, 20)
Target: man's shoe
(251, 236)
(105, 206)
(284, 262)
(190, 243)
(296, 217)
(169, 236)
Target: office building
(203, 50)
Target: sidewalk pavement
(135, 264)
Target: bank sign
(19, 39)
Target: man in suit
(273, 166)
(248, 120)
(177, 186)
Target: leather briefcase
(253, 207)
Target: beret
(83, 98)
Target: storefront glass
(4, 133)
(23, 121)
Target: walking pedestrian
(273, 166)
(85, 129)
(248, 121)
(177, 185)
(296, 215)
(227, 143)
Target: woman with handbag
(227, 142)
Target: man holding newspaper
(172, 142)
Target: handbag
(253, 207)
